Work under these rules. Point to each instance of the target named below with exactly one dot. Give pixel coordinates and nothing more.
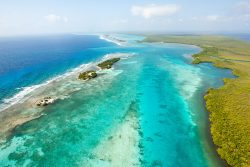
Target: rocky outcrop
(45, 101)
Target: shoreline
(228, 105)
(210, 148)
(209, 123)
(207, 134)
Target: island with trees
(108, 63)
(90, 74)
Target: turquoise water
(155, 81)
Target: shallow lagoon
(146, 111)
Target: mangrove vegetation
(229, 105)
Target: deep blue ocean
(27, 61)
(147, 110)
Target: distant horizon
(128, 32)
(140, 16)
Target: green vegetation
(229, 105)
(207, 51)
(108, 63)
(103, 65)
(87, 75)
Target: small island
(87, 75)
(108, 63)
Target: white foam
(20, 95)
(25, 92)
(117, 55)
(109, 39)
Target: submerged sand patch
(121, 147)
